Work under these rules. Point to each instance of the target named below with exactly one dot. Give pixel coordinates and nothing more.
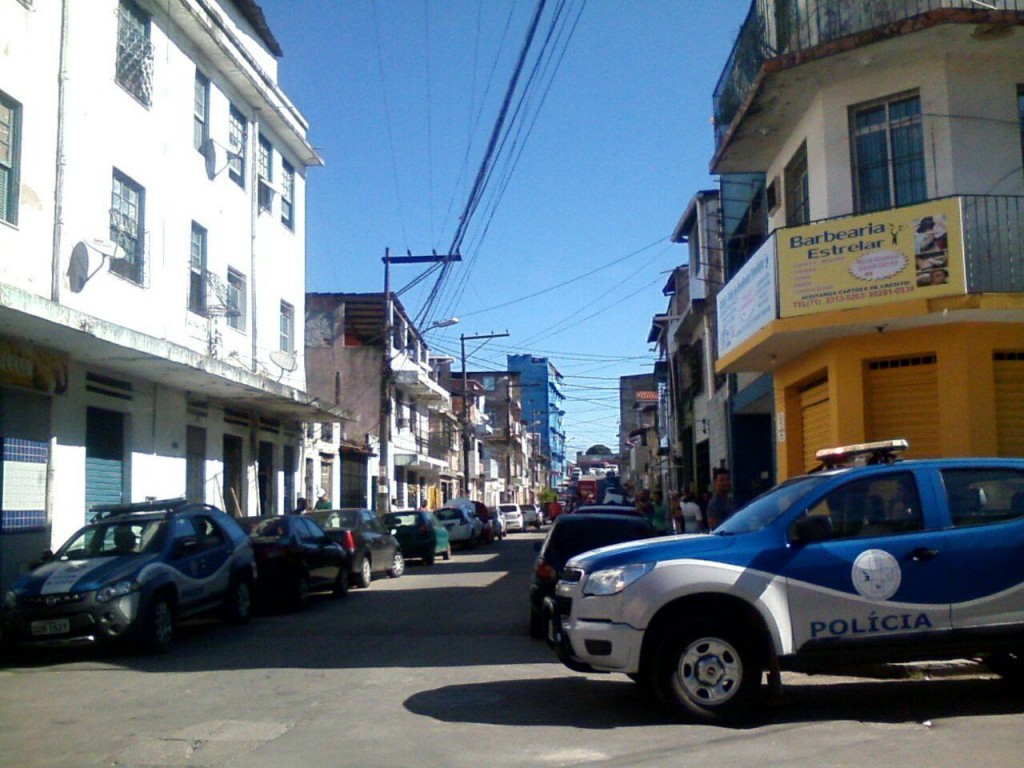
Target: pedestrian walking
(660, 517)
(692, 517)
(721, 506)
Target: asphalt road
(436, 669)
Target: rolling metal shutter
(104, 458)
(1009, 385)
(815, 422)
(903, 401)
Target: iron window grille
(134, 52)
(127, 219)
(888, 153)
(798, 193)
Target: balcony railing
(985, 245)
(993, 228)
(774, 28)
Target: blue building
(542, 400)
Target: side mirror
(44, 557)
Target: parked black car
(131, 574)
(569, 536)
(294, 556)
(420, 534)
(371, 547)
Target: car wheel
(1009, 666)
(300, 592)
(365, 575)
(706, 672)
(536, 623)
(447, 553)
(340, 588)
(397, 565)
(238, 602)
(429, 559)
(158, 629)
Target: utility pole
(386, 394)
(466, 441)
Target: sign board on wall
(876, 258)
(23, 364)
(747, 303)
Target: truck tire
(707, 672)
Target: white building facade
(152, 184)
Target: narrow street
(436, 669)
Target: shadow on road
(614, 702)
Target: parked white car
(513, 517)
(463, 527)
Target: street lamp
(441, 324)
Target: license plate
(51, 627)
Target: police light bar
(879, 452)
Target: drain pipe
(58, 187)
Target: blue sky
(568, 249)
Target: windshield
(763, 510)
(449, 514)
(115, 538)
(273, 527)
(399, 520)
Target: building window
(287, 327)
(201, 111)
(10, 130)
(798, 198)
(238, 132)
(197, 271)
(287, 194)
(134, 52)
(265, 172)
(127, 227)
(888, 154)
(236, 300)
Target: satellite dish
(286, 361)
(87, 259)
(216, 157)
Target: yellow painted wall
(967, 417)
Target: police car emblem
(876, 574)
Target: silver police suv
(868, 560)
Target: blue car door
(986, 515)
(879, 566)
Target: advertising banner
(746, 304)
(876, 258)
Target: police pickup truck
(868, 559)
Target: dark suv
(569, 536)
(131, 573)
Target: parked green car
(421, 535)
